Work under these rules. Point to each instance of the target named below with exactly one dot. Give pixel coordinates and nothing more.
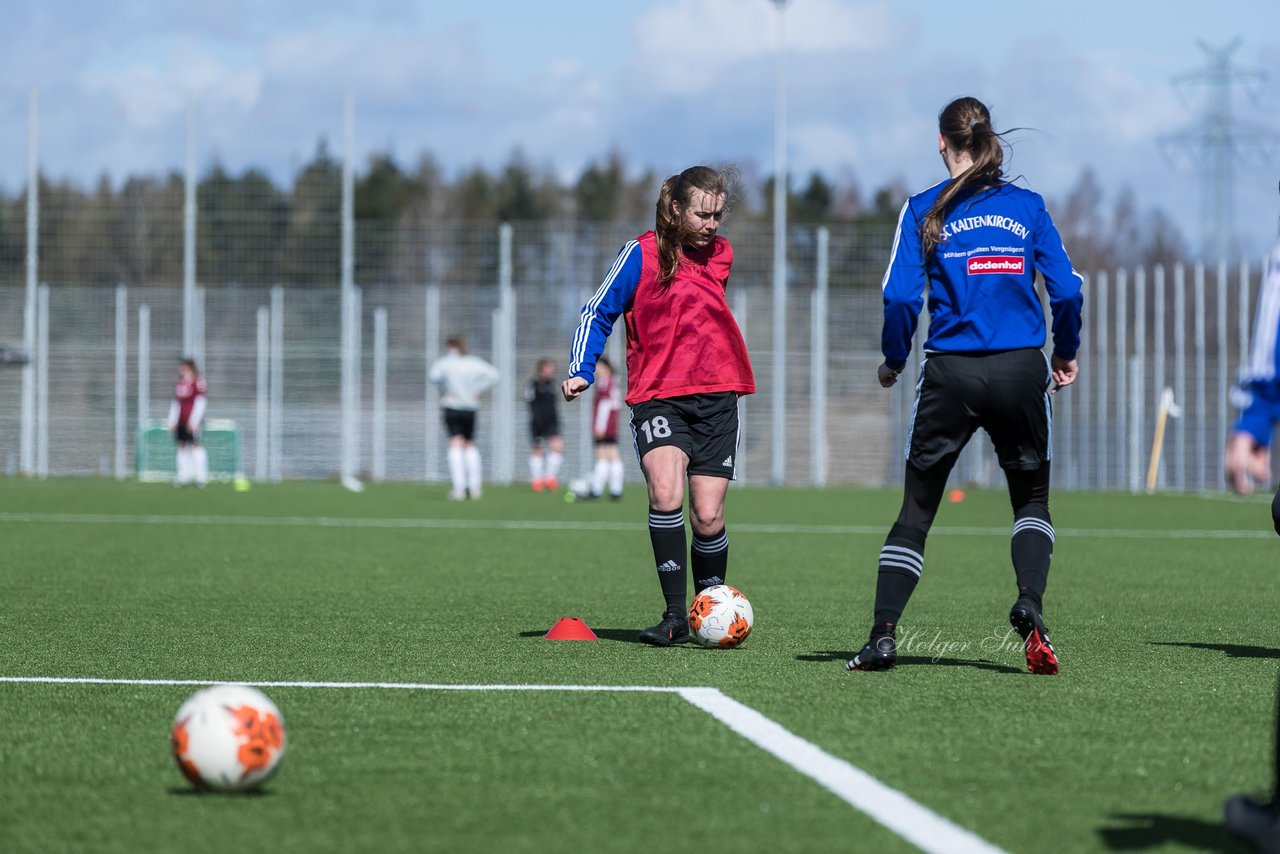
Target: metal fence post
(818, 364)
(262, 417)
(431, 411)
(42, 382)
(379, 438)
(275, 429)
(121, 380)
(1180, 374)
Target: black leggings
(922, 493)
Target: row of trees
(253, 231)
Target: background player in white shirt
(462, 378)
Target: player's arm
(598, 316)
(172, 420)
(197, 412)
(903, 286)
(1066, 297)
(486, 377)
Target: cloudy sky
(666, 82)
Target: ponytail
(965, 123)
(677, 191)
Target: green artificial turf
(1169, 644)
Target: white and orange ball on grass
(721, 617)
(228, 738)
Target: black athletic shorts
(704, 426)
(1006, 394)
(460, 422)
(184, 434)
(543, 428)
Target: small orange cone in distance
(570, 628)
(957, 495)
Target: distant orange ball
(956, 496)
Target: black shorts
(704, 426)
(541, 429)
(460, 422)
(184, 434)
(606, 441)
(1006, 394)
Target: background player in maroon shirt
(605, 404)
(687, 365)
(186, 412)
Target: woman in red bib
(687, 365)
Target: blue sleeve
(1063, 284)
(598, 315)
(903, 285)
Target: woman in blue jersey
(976, 242)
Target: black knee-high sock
(666, 532)
(1032, 550)
(709, 560)
(901, 562)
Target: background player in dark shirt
(547, 451)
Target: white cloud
(682, 46)
(152, 94)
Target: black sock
(901, 561)
(666, 532)
(709, 560)
(1032, 550)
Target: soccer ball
(228, 738)
(720, 616)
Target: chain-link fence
(270, 307)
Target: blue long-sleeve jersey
(981, 278)
(1261, 373)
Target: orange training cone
(570, 628)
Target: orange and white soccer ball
(228, 738)
(721, 617)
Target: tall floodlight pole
(350, 462)
(1216, 141)
(27, 430)
(778, 467)
(189, 344)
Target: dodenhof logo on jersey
(1006, 264)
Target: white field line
(887, 806)
(552, 525)
(915, 823)
(403, 686)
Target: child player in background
(186, 411)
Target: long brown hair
(669, 225)
(965, 124)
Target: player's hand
(1064, 373)
(887, 376)
(573, 387)
(1245, 464)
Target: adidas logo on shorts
(669, 566)
(728, 462)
